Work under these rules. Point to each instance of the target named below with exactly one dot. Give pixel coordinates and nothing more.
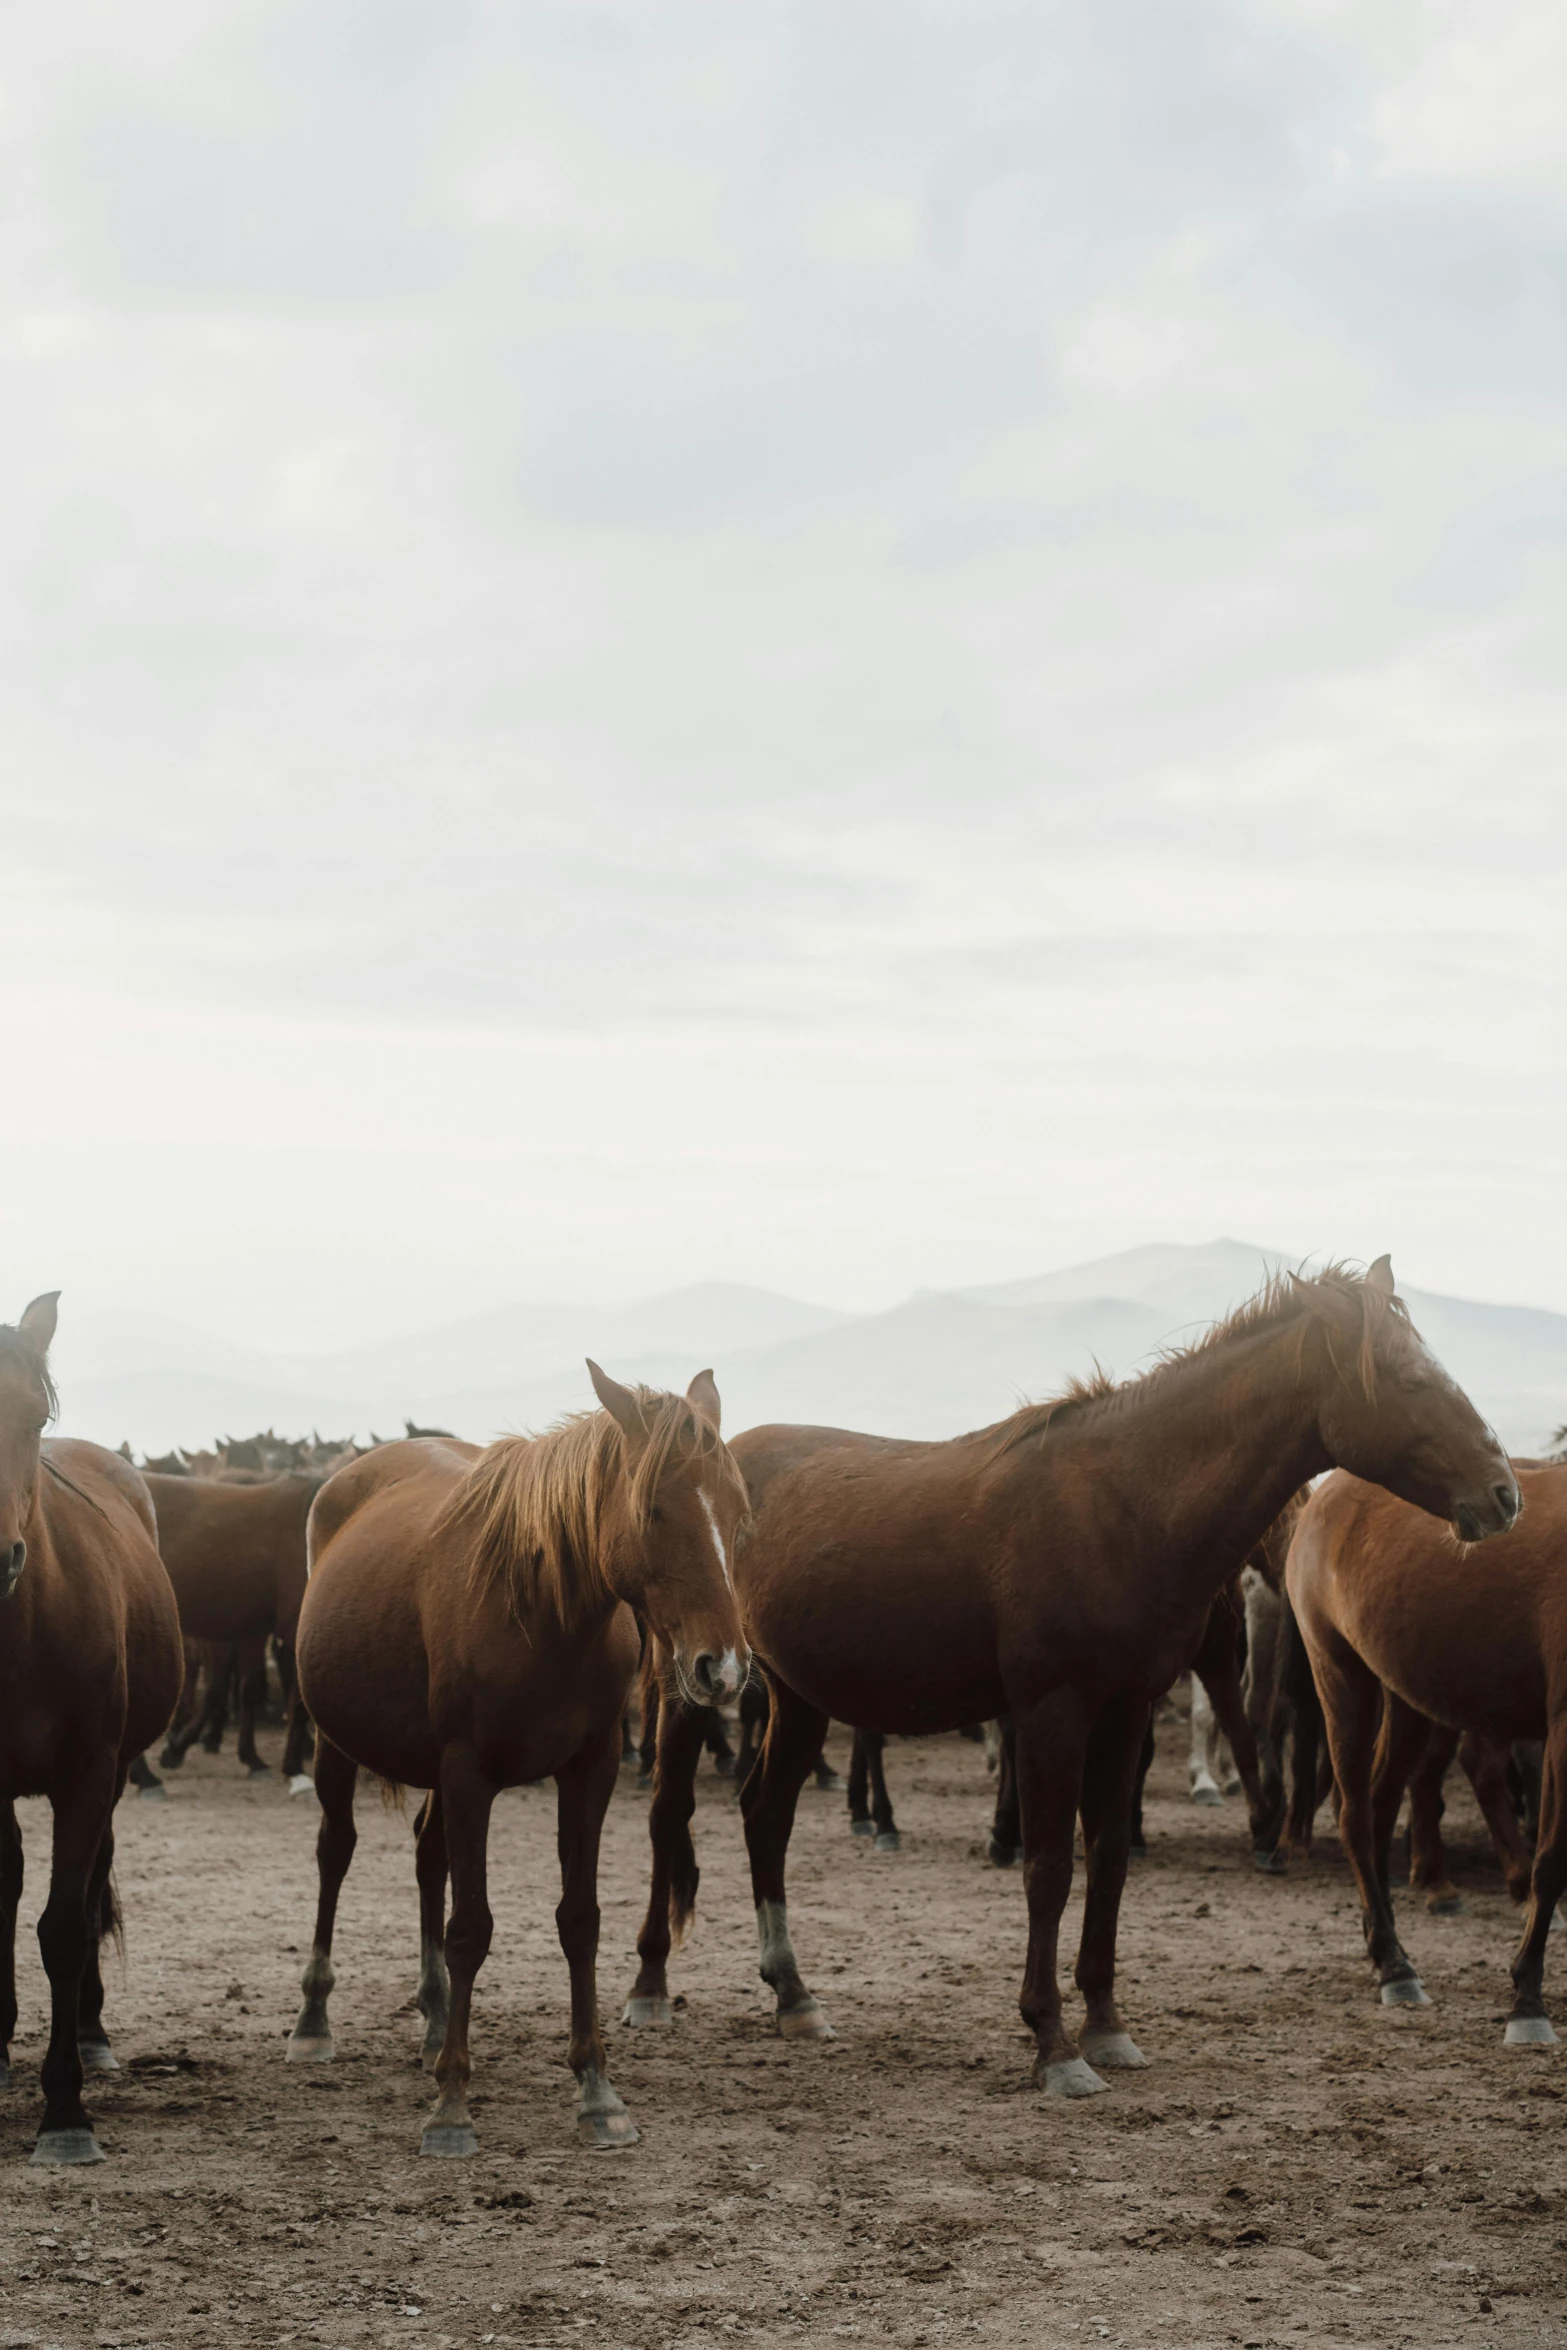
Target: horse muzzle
(1481, 1515)
(715, 1679)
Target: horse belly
(924, 1665)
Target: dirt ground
(1297, 2166)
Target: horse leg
(296, 1738)
(790, 1750)
(182, 1731)
(10, 1902)
(583, 1790)
(715, 1737)
(1352, 1710)
(887, 1837)
(1427, 1855)
(143, 1777)
(103, 1918)
(860, 1821)
(433, 1997)
(467, 1798)
(1109, 1774)
(336, 1776)
(754, 1704)
(1485, 1766)
(1403, 1739)
(1006, 1829)
(1204, 1786)
(653, 1710)
(1528, 2025)
(252, 1692)
(1052, 1738)
(1222, 1678)
(215, 1715)
(65, 1932)
(1139, 1843)
(675, 1875)
(1300, 1697)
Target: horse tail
(394, 1795)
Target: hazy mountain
(941, 1362)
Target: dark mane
(17, 1347)
(1284, 1300)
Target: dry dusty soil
(1297, 2166)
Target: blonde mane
(1285, 1299)
(534, 1506)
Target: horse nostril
(704, 1672)
(1507, 1501)
(15, 1561)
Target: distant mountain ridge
(943, 1361)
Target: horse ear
(618, 1401)
(38, 1322)
(703, 1393)
(1380, 1275)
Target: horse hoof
(1270, 1864)
(1445, 1905)
(97, 2056)
(805, 2023)
(1000, 1856)
(169, 1761)
(829, 1783)
(862, 1827)
(455, 2141)
(724, 1765)
(888, 1841)
(258, 1770)
(301, 1784)
(1136, 1850)
(1116, 2052)
(1069, 2077)
(310, 2048)
(607, 2133)
(1408, 1991)
(644, 1779)
(65, 2146)
(643, 2013)
(154, 1792)
(1528, 2031)
(1208, 1797)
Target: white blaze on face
(711, 1516)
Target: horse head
(26, 1408)
(671, 1554)
(1391, 1414)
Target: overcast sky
(842, 645)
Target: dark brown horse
(1403, 1629)
(1057, 1567)
(89, 1671)
(236, 1557)
(469, 1626)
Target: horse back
(235, 1552)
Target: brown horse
(469, 1626)
(1057, 1567)
(236, 1557)
(90, 1667)
(1385, 1600)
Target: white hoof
(805, 2023)
(298, 2051)
(1072, 2078)
(1115, 2052)
(1409, 1992)
(1528, 2031)
(643, 2013)
(300, 1784)
(1209, 1797)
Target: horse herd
(474, 1618)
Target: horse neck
(1213, 1449)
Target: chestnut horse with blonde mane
(90, 1669)
(1403, 1628)
(469, 1626)
(1057, 1567)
